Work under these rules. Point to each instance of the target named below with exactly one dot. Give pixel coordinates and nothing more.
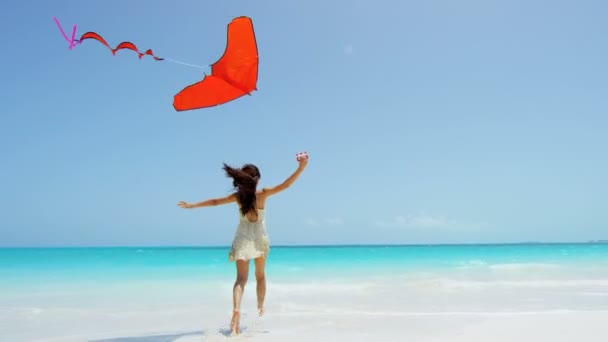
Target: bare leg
(260, 278)
(242, 272)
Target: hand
(185, 205)
(303, 162)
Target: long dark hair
(245, 181)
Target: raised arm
(208, 203)
(288, 181)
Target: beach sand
(555, 327)
(374, 309)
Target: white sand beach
(383, 309)
(452, 327)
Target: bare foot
(235, 327)
(261, 311)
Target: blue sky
(425, 122)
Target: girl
(251, 240)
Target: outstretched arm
(288, 181)
(209, 202)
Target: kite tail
(123, 45)
(71, 42)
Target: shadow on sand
(151, 338)
(172, 337)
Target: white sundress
(250, 240)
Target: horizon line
(600, 241)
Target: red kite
(234, 75)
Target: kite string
(186, 64)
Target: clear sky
(425, 121)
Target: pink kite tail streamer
(65, 35)
(73, 37)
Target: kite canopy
(234, 75)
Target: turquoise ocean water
(55, 266)
(98, 294)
